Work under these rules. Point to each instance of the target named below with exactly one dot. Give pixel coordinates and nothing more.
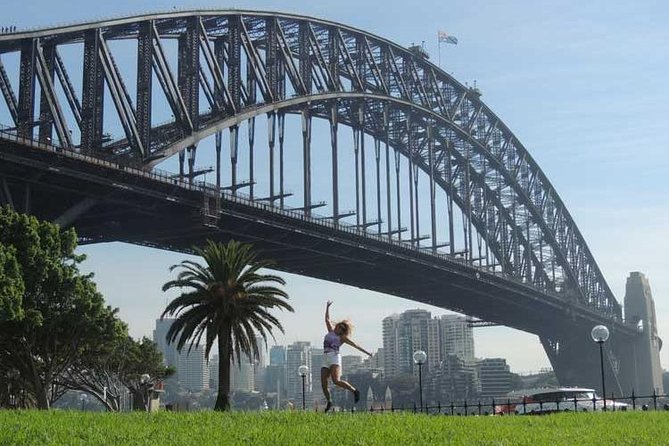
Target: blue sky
(583, 85)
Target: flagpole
(439, 51)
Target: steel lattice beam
(311, 67)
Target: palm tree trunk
(224, 357)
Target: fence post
(613, 401)
(557, 404)
(575, 405)
(414, 407)
(452, 408)
(654, 400)
(594, 403)
(479, 408)
(633, 400)
(493, 406)
(439, 407)
(524, 405)
(466, 408)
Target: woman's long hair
(345, 327)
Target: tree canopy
(118, 367)
(228, 299)
(51, 314)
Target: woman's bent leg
(335, 373)
(325, 374)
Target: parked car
(562, 399)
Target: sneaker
(356, 396)
(328, 406)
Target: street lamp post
(302, 371)
(419, 357)
(600, 334)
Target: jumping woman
(337, 335)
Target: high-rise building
(276, 381)
(297, 354)
(260, 365)
(453, 380)
(351, 364)
(242, 377)
(413, 330)
(457, 337)
(192, 369)
(433, 349)
(390, 345)
(315, 368)
(169, 351)
(376, 361)
(213, 372)
(277, 355)
(316, 362)
(404, 334)
(494, 378)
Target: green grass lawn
(296, 428)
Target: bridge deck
(152, 209)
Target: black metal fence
(528, 406)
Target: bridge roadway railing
(479, 271)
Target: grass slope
(295, 428)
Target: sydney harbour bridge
(340, 154)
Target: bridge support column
(575, 359)
(398, 193)
(234, 141)
(306, 147)
(335, 163)
(271, 140)
(282, 121)
(377, 157)
(640, 367)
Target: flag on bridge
(444, 37)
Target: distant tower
(457, 337)
(297, 354)
(170, 354)
(644, 367)
(192, 369)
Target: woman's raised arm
(328, 324)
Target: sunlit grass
(296, 428)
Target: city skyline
(450, 370)
(592, 127)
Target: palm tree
(226, 300)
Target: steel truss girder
(120, 96)
(345, 117)
(340, 59)
(8, 94)
(50, 110)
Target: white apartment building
(192, 369)
(457, 337)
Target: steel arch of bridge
(247, 64)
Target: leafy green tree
(51, 314)
(119, 367)
(228, 300)
(143, 358)
(12, 287)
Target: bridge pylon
(574, 357)
(640, 367)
